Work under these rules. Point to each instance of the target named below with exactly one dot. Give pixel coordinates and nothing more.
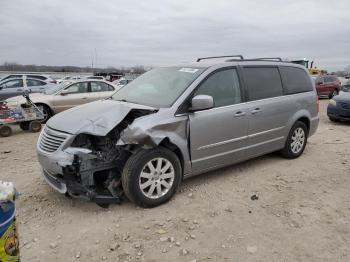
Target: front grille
(51, 140)
(345, 105)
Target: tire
(335, 92)
(5, 131)
(46, 111)
(24, 126)
(299, 133)
(334, 119)
(141, 162)
(34, 126)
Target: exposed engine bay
(95, 172)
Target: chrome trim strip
(223, 142)
(239, 138)
(266, 132)
(236, 150)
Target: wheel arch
(174, 148)
(306, 121)
(44, 104)
(303, 116)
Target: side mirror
(202, 102)
(64, 92)
(319, 83)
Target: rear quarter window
(262, 82)
(295, 80)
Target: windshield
(54, 89)
(159, 87)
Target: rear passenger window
(262, 82)
(100, 87)
(223, 86)
(295, 80)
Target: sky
(161, 32)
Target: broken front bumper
(57, 169)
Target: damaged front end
(88, 165)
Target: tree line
(139, 69)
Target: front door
(218, 136)
(74, 95)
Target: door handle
(255, 111)
(84, 98)
(19, 89)
(239, 113)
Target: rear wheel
(334, 93)
(5, 131)
(296, 141)
(151, 177)
(34, 126)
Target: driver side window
(77, 88)
(223, 86)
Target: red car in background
(327, 85)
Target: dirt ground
(301, 214)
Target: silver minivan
(175, 122)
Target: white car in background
(67, 95)
(68, 78)
(41, 77)
(122, 82)
(11, 87)
(95, 77)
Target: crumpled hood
(96, 118)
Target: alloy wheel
(298, 140)
(156, 178)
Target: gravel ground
(301, 214)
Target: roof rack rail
(212, 57)
(270, 58)
(258, 59)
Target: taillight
(318, 104)
(53, 81)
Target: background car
(45, 78)
(68, 78)
(95, 77)
(328, 85)
(339, 107)
(16, 86)
(122, 82)
(67, 95)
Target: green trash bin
(9, 244)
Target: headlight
(333, 102)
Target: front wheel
(296, 141)
(151, 177)
(46, 112)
